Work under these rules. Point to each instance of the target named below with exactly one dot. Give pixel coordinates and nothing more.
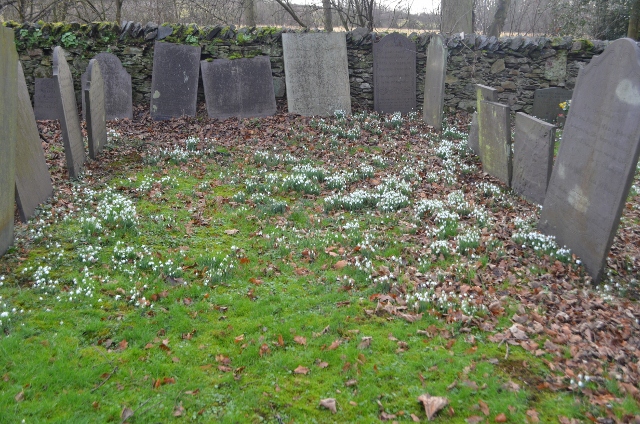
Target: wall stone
(515, 66)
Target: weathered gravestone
(394, 74)
(316, 73)
(93, 93)
(117, 88)
(457, 16)
(69, 120)
(482, 93)
(174, 81)
(241, 87)
(8, 116)
(495, 140)
(532, 157)
(546, 102)
(434, 82)
(33, 181)
(473, 139)
(597, 158)
(46, 102)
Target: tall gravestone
(8, 117)
(434, 82)
(46, 103)
(483, 93)
(69, 120)
(118, 103)
(93, 93)
(473, 139)
(174, 81)
(495, 140)
(241, 87)
(456, 17)
(598, 155)
(316, 73)
(33, 181)
(546, 102)
(394, 74)
(532, 157)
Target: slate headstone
(45, 99)
(495, 140)
(117, 88)
(473, 140)
(33, 181)
(483, 93)
(174, 81)
(456, 17)
(69, 120)
(546, 102)
(436, 69)
(240, 87)
(532, 157)
(93, 93)
(8, 124)
(394, 74)
(598, 155)
(316, 73)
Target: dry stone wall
(515, 66)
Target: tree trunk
(499, 18)
(119, 10)
(634, 20)
(249, 13)
(287, 6)
(326, 7)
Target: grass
(183, 285)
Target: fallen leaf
(126, 414)
(432, 404)
(123, 344)
(518, 333)
(264, 349)
(20, 396)
(386, 417)
(334, 345)
(179, 410)
(239, 338)
(501, 418)
(365, 343)
(301, 370)
(300, 340)
(340, 264)
(351, 382)
(474, 419)
(231, 232)
(415, 418)
(484, 407)
(330, 404)
(323, 364)
(532, 416)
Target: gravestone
(8, 118)
(394, 74)
(45, 99)
(174, 81)
(546, 102)
(532, 157)
(495, 140)
(457, 16)
(473, 140)
(33, 181)
(316, 73)
(69, 120)
(117, 88)
(598, 155)
(93, 93)
(240, 87)
(434, 82)
(483, 93)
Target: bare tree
(326, 7)
(633, 31)
(249, 13)
(499, 18)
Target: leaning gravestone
(93, 94)
(532, 157)
(495, 140)
(69, 121)
(241, 87)
(316, 73)
(434, 82)
(483, 93)
(174, 81)
(473, 139)
(117, 87)
(46, 102)
(394, 74)
(598, 155)
(546, 102)
(457, 16)
(33, 181)
(8, 117)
